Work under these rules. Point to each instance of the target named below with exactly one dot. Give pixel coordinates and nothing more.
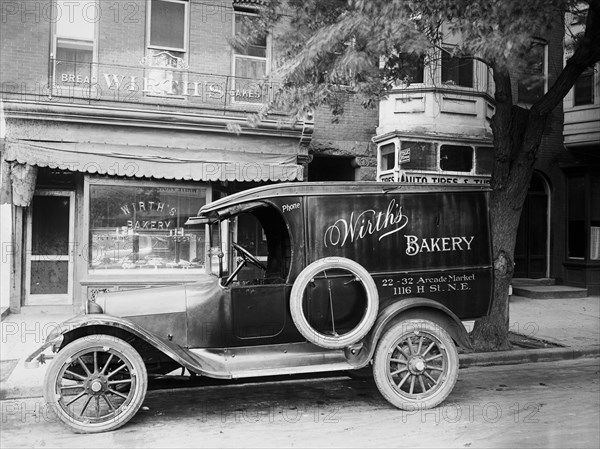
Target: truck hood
(151, 300)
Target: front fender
(75, 328)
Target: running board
(272, 360)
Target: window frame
(448, 50)
(435, 170)
(544, 43)
(590, 72)
(235, 55)
(54, 48)
(87, 226)
(186, 31)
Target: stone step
(549, 291)
(518, 282)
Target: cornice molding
(146, 118)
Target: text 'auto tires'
(334, 302)
(415, 364)
(96, 383)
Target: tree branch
(586, 54)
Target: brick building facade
(119, 120)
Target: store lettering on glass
(368, 222)
(148, 207)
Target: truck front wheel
(415, 364)
(96, 384)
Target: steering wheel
(248, 257)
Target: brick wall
(349, 136)
(24, 38)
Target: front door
(49, 249)
(531, 248)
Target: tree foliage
(336, 48)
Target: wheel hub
(417, 365)
(96, 385)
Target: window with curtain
(74, 42)
(167, 31)
(250, 61)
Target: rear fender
(411, 308)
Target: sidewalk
(571, 323)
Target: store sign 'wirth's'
(151, 208)
(166, 85)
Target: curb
(518, 356)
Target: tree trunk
(517, 136)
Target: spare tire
(339, 268)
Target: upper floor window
(250, 60)
(74, 41)
(405, 68)
(457, 70)
(583, 91)
(531, 83)
(168, 25)
(167, 42)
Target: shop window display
(142, 228)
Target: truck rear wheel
(345, 297)
(415, 364)
(96, 384)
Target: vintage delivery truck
(356, 276)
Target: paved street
(553, 404)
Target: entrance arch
(532, 246)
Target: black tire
(96, 384)
(415, 365)
(297, 297)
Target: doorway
(49, 254)
(331, 168)
(531, 249)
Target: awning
(21, 157)
(155, 162)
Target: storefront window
(143, 227)
(420, 155)
(388, 156)
(484, 160)
(457, 158)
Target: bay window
(457, 70)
